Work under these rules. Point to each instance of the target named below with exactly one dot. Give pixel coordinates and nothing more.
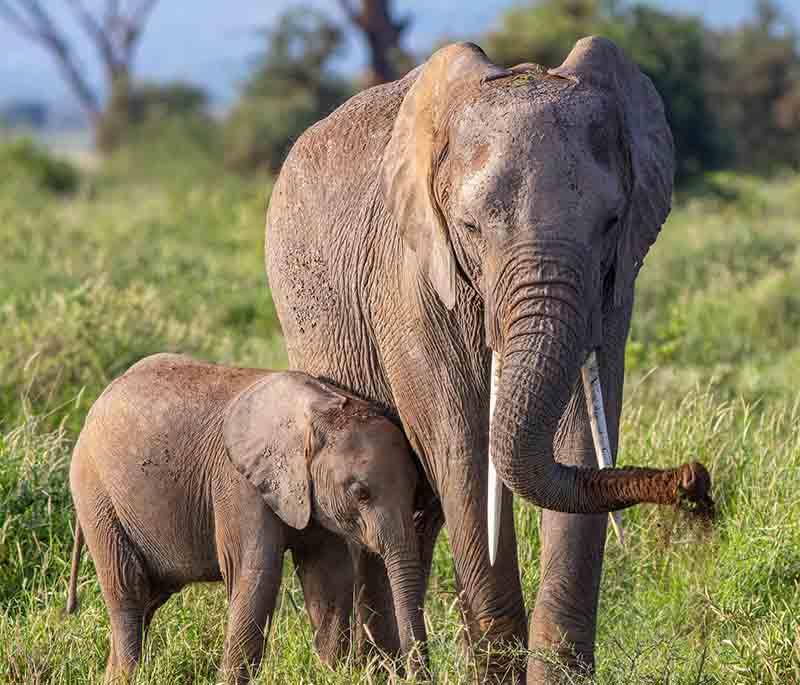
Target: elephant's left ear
(598, 62)
(269, 435)
(408, 171)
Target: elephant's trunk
(407, 581)
(543, 345)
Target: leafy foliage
(158, 101)
(157, 259)
(291, 88)
(731, 96)
(755, 89)
(718, 301)
(24, 161)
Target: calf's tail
(77, 548)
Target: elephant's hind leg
(124, 582)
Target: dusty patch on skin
(309, 277)
(481, 156)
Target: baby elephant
(187, 471)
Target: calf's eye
(471, 227)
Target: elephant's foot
(559, 666)
(562, 635)
(496, 648)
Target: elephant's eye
(360, 493)
(471, 227)
(610, 225)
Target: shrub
(290, 89)
(26, 161)
(260, 130)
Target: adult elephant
(461, 210)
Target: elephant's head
(316, 452)
(541, 192)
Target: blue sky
(212, 41)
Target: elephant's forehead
(526, 123)
(553, 152)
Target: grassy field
(170, 258)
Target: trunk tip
(694, 490)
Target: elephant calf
(187, 471)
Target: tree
(291, 88)
(676, 52)
(115, 34)
(673, 50)
(756, 89)
(382, 34)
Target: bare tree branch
(112, 11)
(349, 10)
(132, 26)
(115, 34)
(17, 21)
(140, 14)
(381, 32)
(32, 21)
(99, 35)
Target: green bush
(35, 508)
(260, 130)
(290, 89)
(180, 149)
(718, 298)
(163, 100)
(732, 96)
(23, 160)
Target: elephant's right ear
(408, 172)
(270, 438)
(649, 146)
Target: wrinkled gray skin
(188, 472)
(466, 208)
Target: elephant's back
(167, 397)
(349, 139)
(329, 239)
(152, 443)
(330, 172)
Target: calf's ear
(269, 436)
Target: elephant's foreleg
(251, 605)
(564, 619)
(490, 597)
(325, 570)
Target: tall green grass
(93, 281)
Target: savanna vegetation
(97, 277)
(160, 248)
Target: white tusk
(495, 503)
(590, 371)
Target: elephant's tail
(72, 594)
